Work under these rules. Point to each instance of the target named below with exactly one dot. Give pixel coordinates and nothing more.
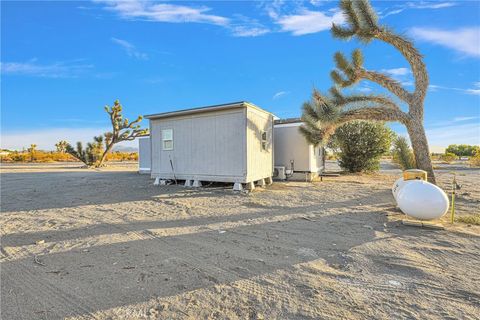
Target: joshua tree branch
(388, 83)
(414, 58)
(343, 101)
(373, 113)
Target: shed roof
(288, 120)
(217, 107)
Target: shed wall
(207, 146)
(259, 160)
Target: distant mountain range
(125, 149)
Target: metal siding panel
(229, 144)
(203, 145)
(155, 142)
(259, 161)
(291, 145)
(144, 153)
(207, 146)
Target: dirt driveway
(109, 245)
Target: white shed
(301, 159)
(221, 143)
(144, 155)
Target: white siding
(290, 145)
(207, 146)
(259, 161)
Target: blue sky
(62, 61)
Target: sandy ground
(107, 244)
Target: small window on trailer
(167, 139)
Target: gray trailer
(295, 158)
(221, 143)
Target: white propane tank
(398, 185)
(422, 200)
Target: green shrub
(402, 154)
(448, 157)
(359, 145)
(461, 150)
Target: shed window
(264, 140)
(167, 139)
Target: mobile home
(221, 143)
(295, 158)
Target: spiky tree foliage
(61, 146)
(402, 154)
(324, 113)
(122, 129)
(91, 154)
(32, 150)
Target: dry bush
(122, 156)
(469, 219)
(448, 157)
(475, 160)
(53, 156)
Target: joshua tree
(61, 146)
(90, 154)
(324, 113)
(122, 129)
(31, 151)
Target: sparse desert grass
(469, 219)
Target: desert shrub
(39, 156)
(461, 150)
(469, 219)
(122, 156)
(475, 160)
(402, 154)
(359, 145)
(52, 156)
(448, 157)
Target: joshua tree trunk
(420, 147)
(104, 155)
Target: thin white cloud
(242, 26)
(430, 5)
(397, 71)
(418, 5)
(248, 31)
(464, 40)
(65, 69)
(364, 89)
(130, 49)
(402, 75)
(458, 119)
(474, 91)
(239, 26)
(46, 139)
(279, 94)
(164, 12)
(307, 22)
(455, 134)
